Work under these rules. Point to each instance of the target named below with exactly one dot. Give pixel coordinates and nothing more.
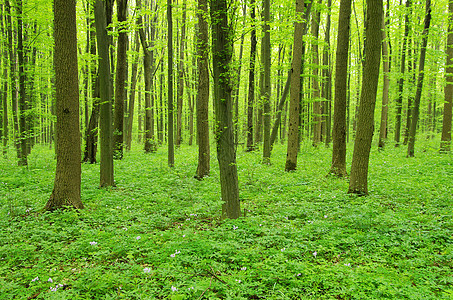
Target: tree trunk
(358, 183)
(338, 167)
(222, 49)
(106, 132)
(4, 104)
(327, 80)
(280, 109)
(317, 112)
(251, 91)
(171, 146)
(421, 74)
(295, 90)
(385, 89)
(399, 100)
(22, 92)
(267, 84)
(120, 81)
(445, 141)
(133, 86)
(66, 191)
(203, 92)
(180, 90)
(91, 135)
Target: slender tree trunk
(399, 100)
(358, 182)
(133, 86)
(338, 167)
(294, 105)
(421, 74)
(91, 135)
(106, 132)
(171, 146)
(317, 112)
(445, 142)
(222, 50)
(386, 85)
(280, 106)
(180, 90)
(410, 100)
(120, 81)
(327, 80)
(267, 84)
(66, 191)
(5, 86)
(203, 91)
(251, 91)
(22, 92)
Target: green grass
(158, 234)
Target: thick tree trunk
(171, 146)
(358, 182)
(222, 49)
(338, 167)
(421, 74)
(120, 81)
(105, 128)
(445, 141)
(66, 191)
(251, 91)
(203, 92)
(266, 44)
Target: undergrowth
(158, 234)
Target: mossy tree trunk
(222, 50)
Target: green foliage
(158, 234)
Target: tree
(222, 50)
(421, 75)
(22, 101)
(338, 167)
(251, 90)
(4, 101)
(203, 92)
(106, 132)
(171, 144)
(66, 191)
(317, 109)
(120, 81)
(267, 83)
(130, 114)
(385, 88)
(445, 143)
(180, 88)
(294, 104)
(358, 182)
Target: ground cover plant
(158, 234)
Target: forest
(226, 149)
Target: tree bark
(445, 141)
(266, 44)
(180, 90)
(203, 92)
(133, 86)
(385, 88)
(5, 87)
(66, 191)
(251, 91)
(120, 81)
(327, 80)
(338, 167)
(317, 112)
(222, 49)
(171, 146)
(421, 74)
(294, 104)
(358, 182)
(106, 132)
(22, 92)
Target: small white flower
(325, 216)
(261, 224)
(315, 253)
(147, 270)
(35, 279)
(50, 280)
(347, 265)
(60, 285)
(244, 268)
(93, 243)
(188, 219)
(191, 288)
(238, 280)
(173, 288)
(235, 227)
(125, 228)
(298, 274)
(183, 235)
(283, 249)
(137, 238)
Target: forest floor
(158, 234)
